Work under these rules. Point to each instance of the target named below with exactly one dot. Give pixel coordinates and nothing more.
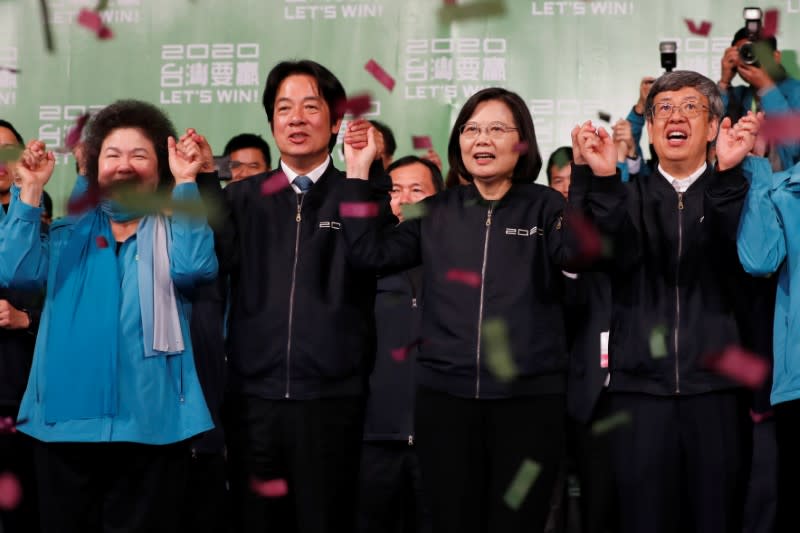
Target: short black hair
(7, 125)
(389, 144)
(560, 157)
(328, 84)
(436, 174)
(742, 33)
(529, 164)
(147, 118)
(249, 140)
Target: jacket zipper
(677, 293)
(297, 219)
(480, 305)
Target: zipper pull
(298, 217)
(413, 303)
(411, 440)
(680, 201)
(489, 217)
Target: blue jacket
(159, 398)
(781, 99)
(766, 247)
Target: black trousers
(682, 464)
(390, 495)
(110, 487)
(590, 457)
(314, 445)
(787, 432)
(206, 500)
(471, 450)
(16, 458)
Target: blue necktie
(303, 183)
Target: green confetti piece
(607, 245)
(101, 5)
(789, 62)
(560, 159)
(486, 8)
(412, 211)
(767, 61)
(605, 425)
(498, 350)
(10, 153)
(522, 483)
(658, 342)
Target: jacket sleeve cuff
(27, 212)
(185, 191)
(354, 190)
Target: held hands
(360, 148)
(33, 171)
(185, 157)
(734, 142)
(594, 147)
(13, 318)
(206, 154)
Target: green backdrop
(205, 61)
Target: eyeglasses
(688, 109)
(495, 130)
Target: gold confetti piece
(522, 483)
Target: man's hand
(206, 154)
(358, 160)
(735, 142)
(185, 158)
(33, 171)
(356, 136)
(757, 77)
(13, 318)
(596, 149)
(729, 62)
(644, 90)
(623, 140)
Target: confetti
(757, 417)
(605, 117)
(358, 209)
(421, 142)
(10, 491)
(782, 128)
(48, 32)
(452, 13)
(10, 69)
(101, 241)
(604, 425)
(10, 153)
(498, 350)
(379, 74)
(7, 425)
(101, 5)
(471, 279)
(522, 483)
(274, 184)
(91, 20)
(703, 30)
(273, 488)
(356, 105)
(658, 342)
(770, 27)
(521, 148)
(740, 365)
(400, 354)
(766, 59)
(589, 245)
(74, 134)
(412, 211)
(88, 200)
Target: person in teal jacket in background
(769, 242)
(113, 393)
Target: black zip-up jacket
(675, 267)
(398, 321)
(516, 245)
(301, 322)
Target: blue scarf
(83, 336)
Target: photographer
(763, 93)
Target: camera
(669, 57)
(752, 23)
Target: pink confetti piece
(358, 209)
(356, 105)
(782, 129)
(274, 184)
(101, 242)
(740, 365)
(91, 20)
(10, 491)
(88, 200)
(757, 418)
(421, 142)
(272, 488)
(589, 241)
(702, 30)
(521, 148)
(401, 354)
(7, 425)
(471, 279)
(74, 134)
(379, 74)
(770, 27)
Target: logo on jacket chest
(525, 232)
(330, 224)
